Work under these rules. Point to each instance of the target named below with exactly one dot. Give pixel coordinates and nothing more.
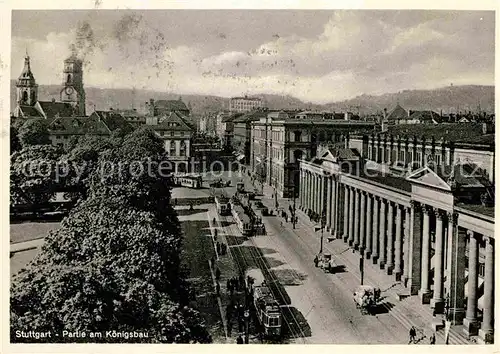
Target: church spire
(27, 90)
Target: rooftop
(478, 208)
(456, 132)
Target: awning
(240, 157)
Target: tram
(194, 181)
(242, 220)
(222, 204)
(267, 308)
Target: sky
(318, 56)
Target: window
(182, 133)
(297, 136)
(172, 133)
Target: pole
(321, 247)
(362, 268)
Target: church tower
(26, 87)
(72, 91)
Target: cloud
(356, 52)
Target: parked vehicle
(366, 298)
(326, 262)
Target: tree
(34, 175)
(114, 264)
(34, 132)
(15, 143)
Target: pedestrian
(239, 340)
(215, 232)
(213, 221)
(213, 261)
(281, 224)
(218, 247)
(217, 274)
(218, 289)
(432, 339)
(316, 260)
(413, 333)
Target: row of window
(389, 156)
(172, 133)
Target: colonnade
(419, 244)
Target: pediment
(426, 176)
(328, 156)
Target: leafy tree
(34, 175)
(108, 267)
(15, 143)
(34, 132)
(115, 262)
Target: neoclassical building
(421, 227)
(280, 139)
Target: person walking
(239, 340)
(432, 339)
(217, 274)
(413, 333)
(218, 289)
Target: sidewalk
(409, 311)
(26, 245)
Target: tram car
(222, 204)
(267, 308)
(242, 220)
(194, 181)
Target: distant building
(279, 141)
(155, 108)
(28, 105)
(244, 104)
(176, 133)
(208, 124)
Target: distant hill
(446, 99)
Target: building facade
(422, 228)
(244, 104)
(406, 153)
(279, 141)
(176, 134)
(73, 92)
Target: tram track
(257, 259)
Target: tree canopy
(114, 264)
(34, 132)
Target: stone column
(470, 321)
(306, 191)
(362, 223)
(398, 245)
(321, 194)
(455, 270)
(328, 202)
(345, 234)
(369, 226)
(311, 191)
(425, 291)
(486, 333)
(437, 302)
(382, 235)
(333, 216)
(352, 195)
(389, 267)
(357, 210)
(414, 253)
(375, 231)
(301, 188)
(406, 244)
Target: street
(324, 300)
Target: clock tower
(72, 91)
